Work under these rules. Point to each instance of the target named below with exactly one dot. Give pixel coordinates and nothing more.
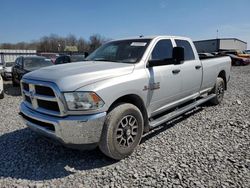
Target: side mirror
(178, 54)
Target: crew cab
(124, 89)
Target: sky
(28, 20)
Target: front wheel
(218, 90)
(122, 131)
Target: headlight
(83, 101)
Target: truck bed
(211, 69)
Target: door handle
(176, 71)
(197, 66)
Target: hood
(71, 76)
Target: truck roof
(151, 37)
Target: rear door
(191, 70)
(164, 85)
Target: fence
(11, 55)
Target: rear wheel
(218, 90)
(122, 131)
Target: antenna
(217, 34)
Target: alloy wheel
(127, 131)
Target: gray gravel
(210, 147)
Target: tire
(219, 90)
(122, 131)
(238, 63)
(2, 95)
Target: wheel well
(138, 102)
(222, 75)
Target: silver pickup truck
(122, 90)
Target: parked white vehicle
(1, 88)
(7, 70)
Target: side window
(189, 54)
(162, 50)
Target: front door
(165, 82)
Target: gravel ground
(209, 147)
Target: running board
(156, 122)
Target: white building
(9, 55)
(220, 44)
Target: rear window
(189, 54)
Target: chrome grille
(41, 90)
(43, 97)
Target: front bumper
(73, 131)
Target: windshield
(124, 51)
(36, 63)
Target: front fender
(112, 89)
